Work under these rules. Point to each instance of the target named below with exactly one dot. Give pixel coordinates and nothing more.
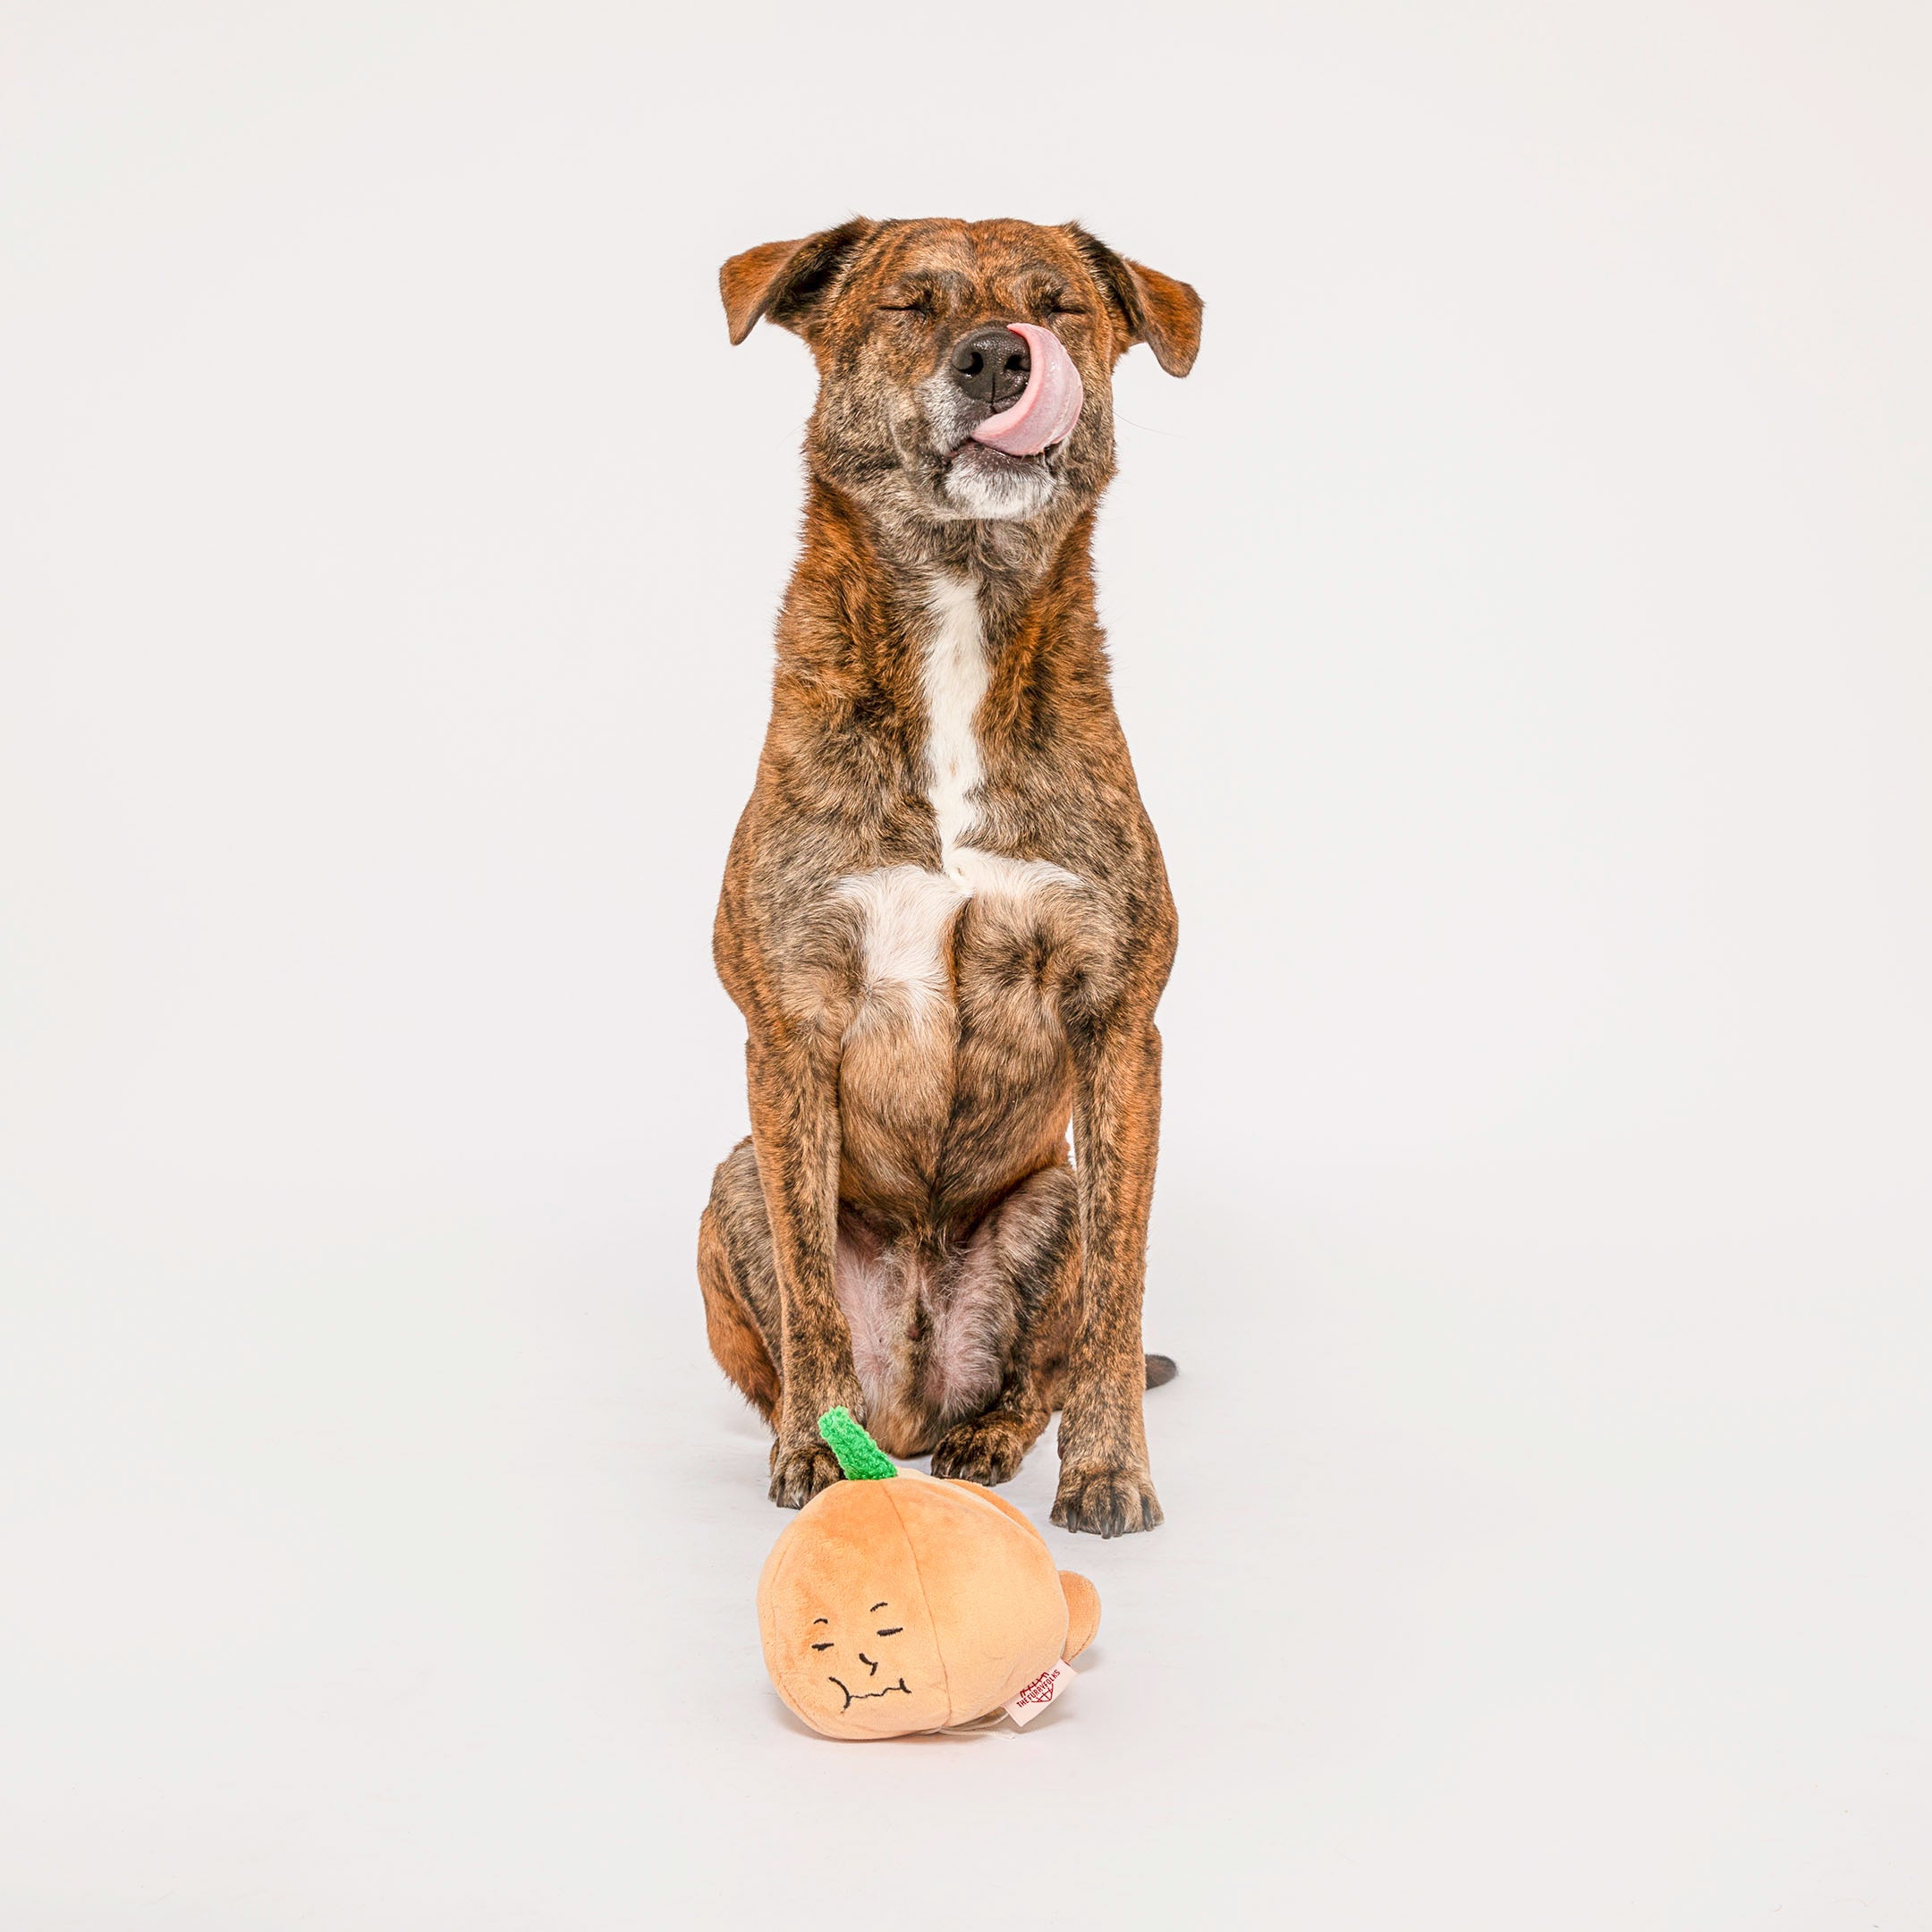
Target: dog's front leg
(1104, 1485)
(794, 1132)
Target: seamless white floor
(1520, 623)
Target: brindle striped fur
(903, 1231)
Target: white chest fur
(906, 911)
(953, 681)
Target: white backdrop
(1520, 622)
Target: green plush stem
(860, 1457)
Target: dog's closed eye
(893, 1632)
(825, 1646)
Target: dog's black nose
(991, 365)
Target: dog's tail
(1161, 1369)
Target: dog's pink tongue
(1050, 405)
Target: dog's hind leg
(1031, 1244)
(738, 1281)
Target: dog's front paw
(799, 1471)
(988, 1450)
(1105, 1502)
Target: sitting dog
(945, 915)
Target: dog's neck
(866, 590)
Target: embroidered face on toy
(870, 1685)
(859, 1657)
(894, 1603)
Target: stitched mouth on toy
(858, 1697)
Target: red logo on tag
(1038, 1694)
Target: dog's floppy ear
(785, 280)
(1163, 313)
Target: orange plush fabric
(911, 1604)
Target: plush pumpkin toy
(896, 1602)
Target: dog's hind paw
(988, 1450)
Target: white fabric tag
(1041, 1692)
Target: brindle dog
(945, 916)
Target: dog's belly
(954, 1077)
(932, 1324)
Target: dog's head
(965, 368)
